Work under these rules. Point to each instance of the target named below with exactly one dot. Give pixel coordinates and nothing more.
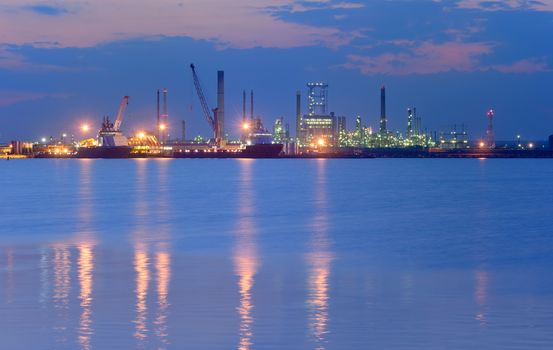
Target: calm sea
(276, 254)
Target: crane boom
(120, 112)
(205, 108)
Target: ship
(259, 144)
(110, 143)
(250, 151)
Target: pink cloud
(426, 58)
(236, 24)
(432, 58)
(524, 66)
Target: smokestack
(409, 122)
(251, 106)
(157, 124)
(243, 106)
(298, 115)
(383, 110)
(221, 102)
(165, 102)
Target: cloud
(535, 65)
(431, 58)
(506, 5)
(426, 58)
(238, 24)
(313, 5)
(9, 97)
(47, 10)
(10, 60)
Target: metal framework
(212, 120)
(317, 98)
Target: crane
(212, 120)
(120, 112)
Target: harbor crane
(213, 121)
(120, 112)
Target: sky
(64, 63)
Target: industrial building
(281, 131)
(454, 139)
(320, 130)
(317, 128)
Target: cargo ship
(110, 143)
(258, 144)
(251, 151)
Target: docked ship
(258, 144)
(110, 143)
(250, 151)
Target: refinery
(319, 133)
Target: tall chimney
(165, 102)
(298, 115)
(383, 110)
(157, 123)
(243, 106)
(251, 106)
(221, 102)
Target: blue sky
(65, 62)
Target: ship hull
(253, 152)
(104, 152)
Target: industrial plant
(319, 133)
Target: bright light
(530, 145)
(162, 127)
(481, 144)
(246, 126)
(64, 135)
(43, 139)
(85, 127)
(321, 142)
(141, 135)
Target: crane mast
(212, 120)
(120, 112)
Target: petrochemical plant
(318, 134)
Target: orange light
(246, 126)
(85, 127)
(141, 135)
(530, 145)
(162, 127)
(321, 142)
(481, 144)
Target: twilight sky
(65, 62)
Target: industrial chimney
(221, 102)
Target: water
(276, 254)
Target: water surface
(276, 254)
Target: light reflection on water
(152, 246)
(62, 287)
(481, 296)
(85, 245)
(246, 260)
(142, 281)
(163, 256)
(319, 261)
(86, 267)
